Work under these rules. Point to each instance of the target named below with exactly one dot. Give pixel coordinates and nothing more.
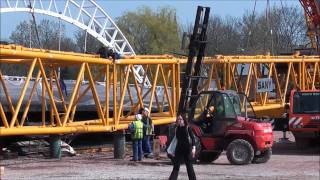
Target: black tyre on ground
(240, 152)
(302, 143)
(208, 157)
(263, 157)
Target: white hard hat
(138, 117)
(146, 109)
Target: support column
(55, 146)
(119, 145)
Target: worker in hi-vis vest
(148, 130)
(136, 129)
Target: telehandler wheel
(208, 157)
(263, 157)
(240, 152)
(302, 143)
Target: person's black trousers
(179, 158)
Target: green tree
(151, 32)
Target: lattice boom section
(113, 104)
(124, 95)
(241, 73)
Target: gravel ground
(286, 163)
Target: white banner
(264, 85)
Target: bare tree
(87, 43)
(223, 36)
(49, 32)
(280, 30)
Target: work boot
(150, 155)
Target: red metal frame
(312, 13)
(303, 119)
(241, 129)
(312, 9)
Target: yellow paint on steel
(219, 59)
(306, 76)
(107, 92)
(154, 86)
(123, 95)
(138, 90)
(8, 97)
(59, 90)
(270, 110)
(146, 61)
(173, 89)
(50, 93)
(316, 70)
(23, 92)
(19, 52)
(26, 109)
(43, 105)
(3, 117)
(75, 90)
(166, 89)
(51, 89)
(95, 95)
(115, 98)
(40, 130)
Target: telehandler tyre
(208, 157)
(263, 157)
(240, 152)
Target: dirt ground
(287, 162)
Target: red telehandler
(221, 120)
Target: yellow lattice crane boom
(230, 72)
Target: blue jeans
(137, 149)
(146, 145)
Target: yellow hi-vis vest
(138, 130)
(149, 128)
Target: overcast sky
(185, 10)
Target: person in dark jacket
(185, 149)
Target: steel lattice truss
(85, 14)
